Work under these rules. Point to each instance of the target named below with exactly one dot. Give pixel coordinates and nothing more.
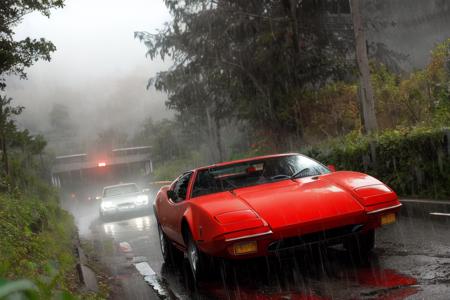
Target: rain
(215, 149)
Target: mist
(99, 71)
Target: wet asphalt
(411, 260)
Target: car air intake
(329, 236)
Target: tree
(109, 139)
(61, 123)
(245, 59)
(7, 127)
(165, 138)
(16, 56)
(366, 94)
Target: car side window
(204, 184)
(181, 186)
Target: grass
(37, 256)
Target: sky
(99, 70)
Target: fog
(99, 70)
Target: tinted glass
(120, 190)
(181, 186)
(255, 172)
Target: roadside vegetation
(36, 242)
(249, 78)
(37, 258)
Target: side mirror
(332, 168)
(172, 195)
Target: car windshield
(218, 179)
(120, 190)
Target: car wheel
(170, 254)
(362, 244)
(197, 260)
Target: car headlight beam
(141, 200)
(107, 204)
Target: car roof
(223, 164)
(119, 185)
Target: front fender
(201, 224)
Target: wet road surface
(411, 261)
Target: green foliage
(165, 137)
(413, 161)
(36, 239)
(8, 130)
(333, 110)
(20, 289)
(36, 242)
(36, 235)
(16, 56)
(244, 59)
(171, 169)
(423, 96)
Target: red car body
(276, 215)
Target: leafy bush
(171, 169)
(413, 161)
(36, 241)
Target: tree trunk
(219, 139)
(210, 133)
(291, 6)
(367, 98)
(4, 154)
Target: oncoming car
(122, 198)
(267, 205)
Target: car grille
(126, 205)
(327, 236)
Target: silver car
(122, 198)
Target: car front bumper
(274, 242)
(123, 209)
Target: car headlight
(142, 200)
(107, 204)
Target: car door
(176, 207)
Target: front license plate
(126, 207)
(388, 219)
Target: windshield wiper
(296, 174)
(229, 183)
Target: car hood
(122, 198)
(305, 200)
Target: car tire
(361, 245)
(198, 261)
(170, 254)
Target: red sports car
(266, 205)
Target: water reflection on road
(117, 228)
(411, 260)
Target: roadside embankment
(38, 257)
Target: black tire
(198, 261)
(170, 254)
(361, 245)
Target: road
(411, 260)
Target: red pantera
(269, 204)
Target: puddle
(383, 278)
